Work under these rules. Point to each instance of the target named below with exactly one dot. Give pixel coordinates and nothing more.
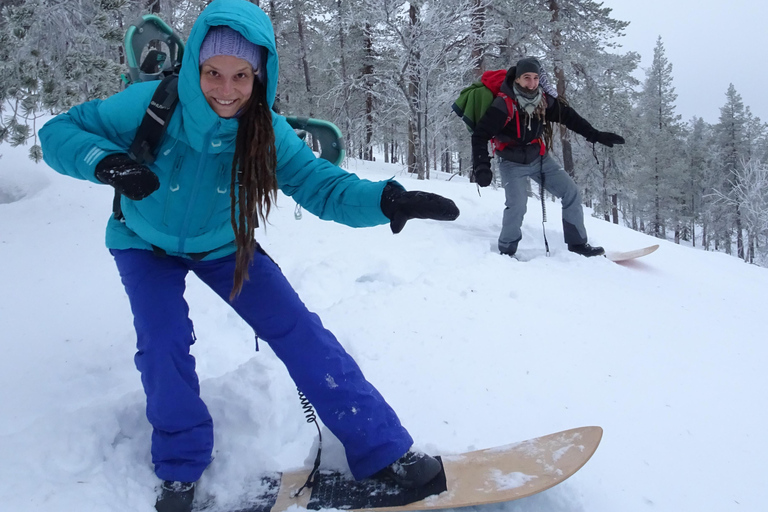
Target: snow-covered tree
(748, 193)
(661, 170)
(732, 147)
(699, 160)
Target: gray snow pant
(556, 182)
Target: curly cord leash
(309, 414)
(543, 205)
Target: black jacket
(521, 149)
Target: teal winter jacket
(190, 212)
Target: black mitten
(134, 181)
(606, 138)
(399, 206)
(483, 174)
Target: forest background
(387, 72)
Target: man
(517, 124)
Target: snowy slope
(471, 348)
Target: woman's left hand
(400, 206)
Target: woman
(195, 209)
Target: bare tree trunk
(368, 81)
(477, 25)
(415, 155)
(565, 142)
(344, 77)
(303, 52)
(739, 234)
(557, 43)
(411, 157)
(305, 64)
(425, 144)
(615, 208)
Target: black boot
(509, 249)
(412, 470)
(586, 250)
(175, 497)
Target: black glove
(483, 174)
(606, 138)
(400, 206)
(134, 181)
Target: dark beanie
(527, 65)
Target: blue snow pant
(556, 182)
(182, 437)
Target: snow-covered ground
(472, 349)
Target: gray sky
(710, 44)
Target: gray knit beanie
(222, 40)
(527, 65)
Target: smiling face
(529, 81)
(227, 83)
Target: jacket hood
(250, 21)
(507, 87)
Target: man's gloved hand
(606, 138)
(483, 174)
(399, 206)
(134, 181)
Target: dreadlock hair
(254, 184)
(548, 130)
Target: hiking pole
(543, 208)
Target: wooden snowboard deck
(630, 255)
(492, 475)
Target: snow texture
(471, 348)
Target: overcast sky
(710, 45)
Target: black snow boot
(509, 249)
(175, 497)
(586, 250)
(412, 470)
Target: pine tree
(660, 161)
(733, 146)
(699, 182)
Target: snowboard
(630, 255)
(492, 475)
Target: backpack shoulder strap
(511, 107)
(152, 128)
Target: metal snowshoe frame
(158, 64)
